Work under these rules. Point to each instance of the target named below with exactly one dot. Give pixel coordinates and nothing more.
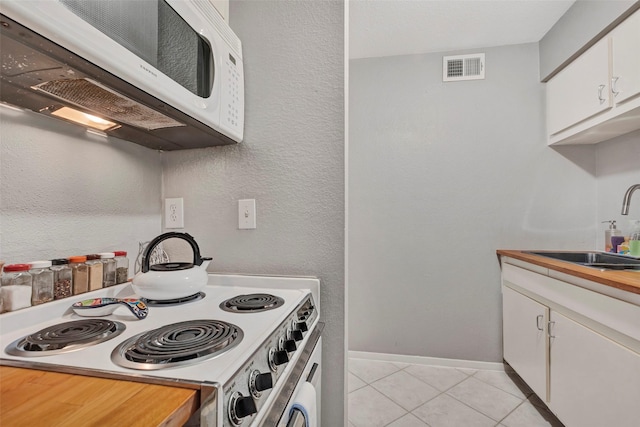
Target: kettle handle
(197, 259)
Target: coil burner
(66, 337)
(251, 303)
(177, 344)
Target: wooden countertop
(627, 280)
(32, 397)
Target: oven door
(303, 409)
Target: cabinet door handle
(600, 89)
(549, 328)
(614, 80)
(538, 321)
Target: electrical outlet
(173, 213)
(247, 214)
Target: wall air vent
(463, 67)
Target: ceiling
(404, 27)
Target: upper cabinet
(625, 78)
(581, 90)
(597, 96)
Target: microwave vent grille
(104, 102)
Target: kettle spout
(205, 263)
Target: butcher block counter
(626, 280)
(33, 397)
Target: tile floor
(404, 395)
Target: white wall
(291, 162)
(64, 192)
(440, 176)
(617, 168)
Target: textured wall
(583, 21)
(440, 176)
(291, 162)
(65, 192)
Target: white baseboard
(431, 361)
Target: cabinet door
(594, 381)
(581, 90)
(524, 338)
(625, 81)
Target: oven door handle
(311, 378)
(296, 419)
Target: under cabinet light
(84, 119)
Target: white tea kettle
(171, 280)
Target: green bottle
(634, 241)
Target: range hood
(40, 75)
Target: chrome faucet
(627, 198)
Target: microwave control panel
(232, 100)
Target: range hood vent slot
(104, 102)
(463, 67)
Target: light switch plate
(247, 214)
(174, 213)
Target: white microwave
(167, 74)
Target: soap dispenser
(611, 231)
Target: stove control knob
(302, 326)
(264, 381)
(240, 407)
(296, 334)
(280, 357)
(290, 346)
(259, 382)
(277, 358)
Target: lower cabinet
(585, 377)
(594, 381)
(525, 341)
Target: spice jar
(42, 282)
(16, 287)
(94, 265)
(108, 268)
(79, 274)
(62, 279)
(122, 267)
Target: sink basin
(600, 260)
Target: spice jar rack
(38, 282)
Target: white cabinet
(578, 350)
(594, 381)
(525, 342)
(625, 80)
(581, 90)
(597, 96)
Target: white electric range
(248, 344)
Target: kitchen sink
(600, 260)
